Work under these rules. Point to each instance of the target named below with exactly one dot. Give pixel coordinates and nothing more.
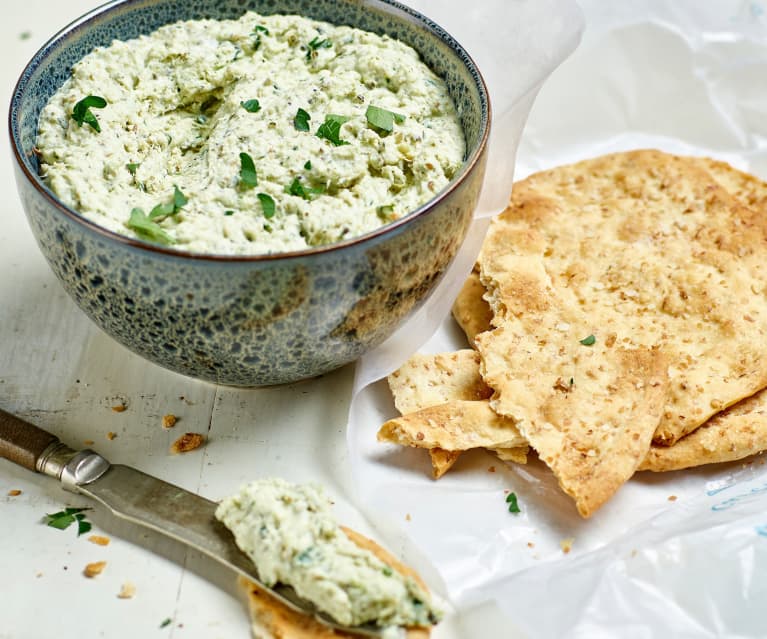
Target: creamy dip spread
(258, 135)
(291, 536)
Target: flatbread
(442, 460)
(271, 619)
(735, 433)
(470, 310)
(430, 380)
(654, 252)
(517, 455)
(454, 426)
(588, 408)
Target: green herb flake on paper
(511, 500)
(589, 341)
(267, 205)
(301, 121)
(65, 518)
(383, 119)
(251, 106)
(147, 229)
(82, 111)
(248, 176)
(315, 45)
(165, 622)
(330, 129)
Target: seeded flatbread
(470, 310)
(589, 408)
(735, 433)
(271, 619)
(653, 250)
(454, 426)
(442, 461)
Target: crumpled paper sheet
(680, 554)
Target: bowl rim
(389, 6)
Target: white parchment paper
(679, 554)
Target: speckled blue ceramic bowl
(250, 321)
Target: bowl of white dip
(250, 192)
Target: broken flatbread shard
(430, 380)
(454, 426)
(470, 310)
(735, 433)
(588, 407)
(654, 252)
(442, 460)
(517, 455)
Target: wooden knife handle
(21, 442)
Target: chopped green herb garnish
(301, 121)
(387, 571)
(179, 199)
(296, 188)
(308, 165)
(257, 31)
(511, 500)
(267, 204)
(25, 35)
(588, 341)
(65, 518)
(148, 229)
(317, 44)
(385, 212)
(82, 112)
(161, 211)
(330, 129)
(251, 106)
(165, 622)
(382, 118)
(228, 213)
(248, 176)
(132, 167)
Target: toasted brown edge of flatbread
(274, 620)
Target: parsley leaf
(588, 341)
(161, 211)
(317, 44)
(298, 189)
(132, 167)
(257, 31)
(248, 175)
(251, 106)
(308, 165)
(511, 500)
(165, 622)
(267, 204)
(301, 121)
(82, 112)
(65, 518)
(230, 212)
(147, 229)
(382, 118)
(330, 129)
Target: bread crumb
(566, 544)
(119, 408)
(408, 517)
(169, 420)
(14, 493)
(530, 544)
(127, 591)
(187, 442)
(38, 575)
(99, 540)
(94, 568)
(491, 469)
(111, 436)
(672, 497)
(89, 442)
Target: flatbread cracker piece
(271, 619)
(470, 310)
(652, 249)
(430, 380)
(588, 407)
(517, 455)
(442, 461)
(735, 433)
(454, 426)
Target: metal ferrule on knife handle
(37, 449)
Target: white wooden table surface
(61, 372)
